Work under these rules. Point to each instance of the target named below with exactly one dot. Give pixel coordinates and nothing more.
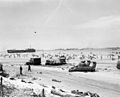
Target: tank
(84, 67)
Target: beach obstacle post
(1, 85)
(43, 92)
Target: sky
(59, 24)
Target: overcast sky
(59, 23)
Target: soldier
(1, 67)
(29, 67)
(21, 70)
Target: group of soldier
(21, 69)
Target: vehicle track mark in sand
(85, 82)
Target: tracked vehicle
(59, 61)
(83, 67)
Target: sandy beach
(105, 81)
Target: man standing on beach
(29, 67)
(20, 70)
(1, 67)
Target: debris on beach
(84, 94)
(6, 91)
(30, 82)
(40, 72)
(74, 93)
(23, 81)
(16, 88)
(34, 78)
(11, 78)
(56, 80)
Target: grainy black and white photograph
(59, 48)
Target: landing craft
(22, 51)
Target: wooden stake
(43, 92)
(1, 83)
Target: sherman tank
(59, 61)
(84, 67)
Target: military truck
(34, 61)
